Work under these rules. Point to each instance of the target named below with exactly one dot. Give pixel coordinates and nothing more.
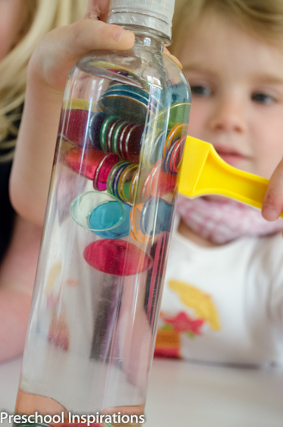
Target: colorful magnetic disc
(156, 216)
(95, 125)
(74, 126)
(157, 182)
(110, 220)
(133, 186)
(116, 179)
(177, 154)
(79, 104)
(129, 142)
(178, 113)
(131, 105)
(152, 148)
(128, 93)
(104, 131)
(119, 136)
(84, 162)
(83, 206)
(103, 170)
(112, 175)
(135, 220)
(125, 183)
(173, 156)
(116, 257)
(128, 88)
(116, 135)
(175, 133)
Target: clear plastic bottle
(99, 281)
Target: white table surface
(192, 395)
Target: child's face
(237, 94)
(12, 16)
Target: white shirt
(237, 291)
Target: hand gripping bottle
(99, 280)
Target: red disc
(116, 257)
(76, 126)
(85, 162)
(103, 171)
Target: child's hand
(166, 51)
(60, 49)
(272, 206)
(51, 62)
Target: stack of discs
(119, 136)
(94, 129)
(153, 146)
(126, 183)
(93, 164)
(84, 162)
(122, 181)
(173, 156)
(157, 182)
(175, 133)
(103, 170)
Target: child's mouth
(229, 155)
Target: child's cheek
(197, 120)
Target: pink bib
(223, 221)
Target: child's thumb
(272, 206)
(166, 51)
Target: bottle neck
(146, 37)
(141, 22)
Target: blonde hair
(262, 18)
(42, 16)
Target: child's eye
(262, 98)
(200, 90)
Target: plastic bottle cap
(156, 14)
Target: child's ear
(97, 9)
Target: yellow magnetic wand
(204, 172)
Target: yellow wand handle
(204, 172)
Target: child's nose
(228, 116)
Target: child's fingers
(60, 49)
(272, 206)
(166, 51)
(97, 8)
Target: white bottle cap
(156, 14)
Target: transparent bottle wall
(99, 280)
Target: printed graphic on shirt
(168, 341)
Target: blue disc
(129, 88)
(105, 216)
(156, 216)
(166, 163)
(128, 93)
